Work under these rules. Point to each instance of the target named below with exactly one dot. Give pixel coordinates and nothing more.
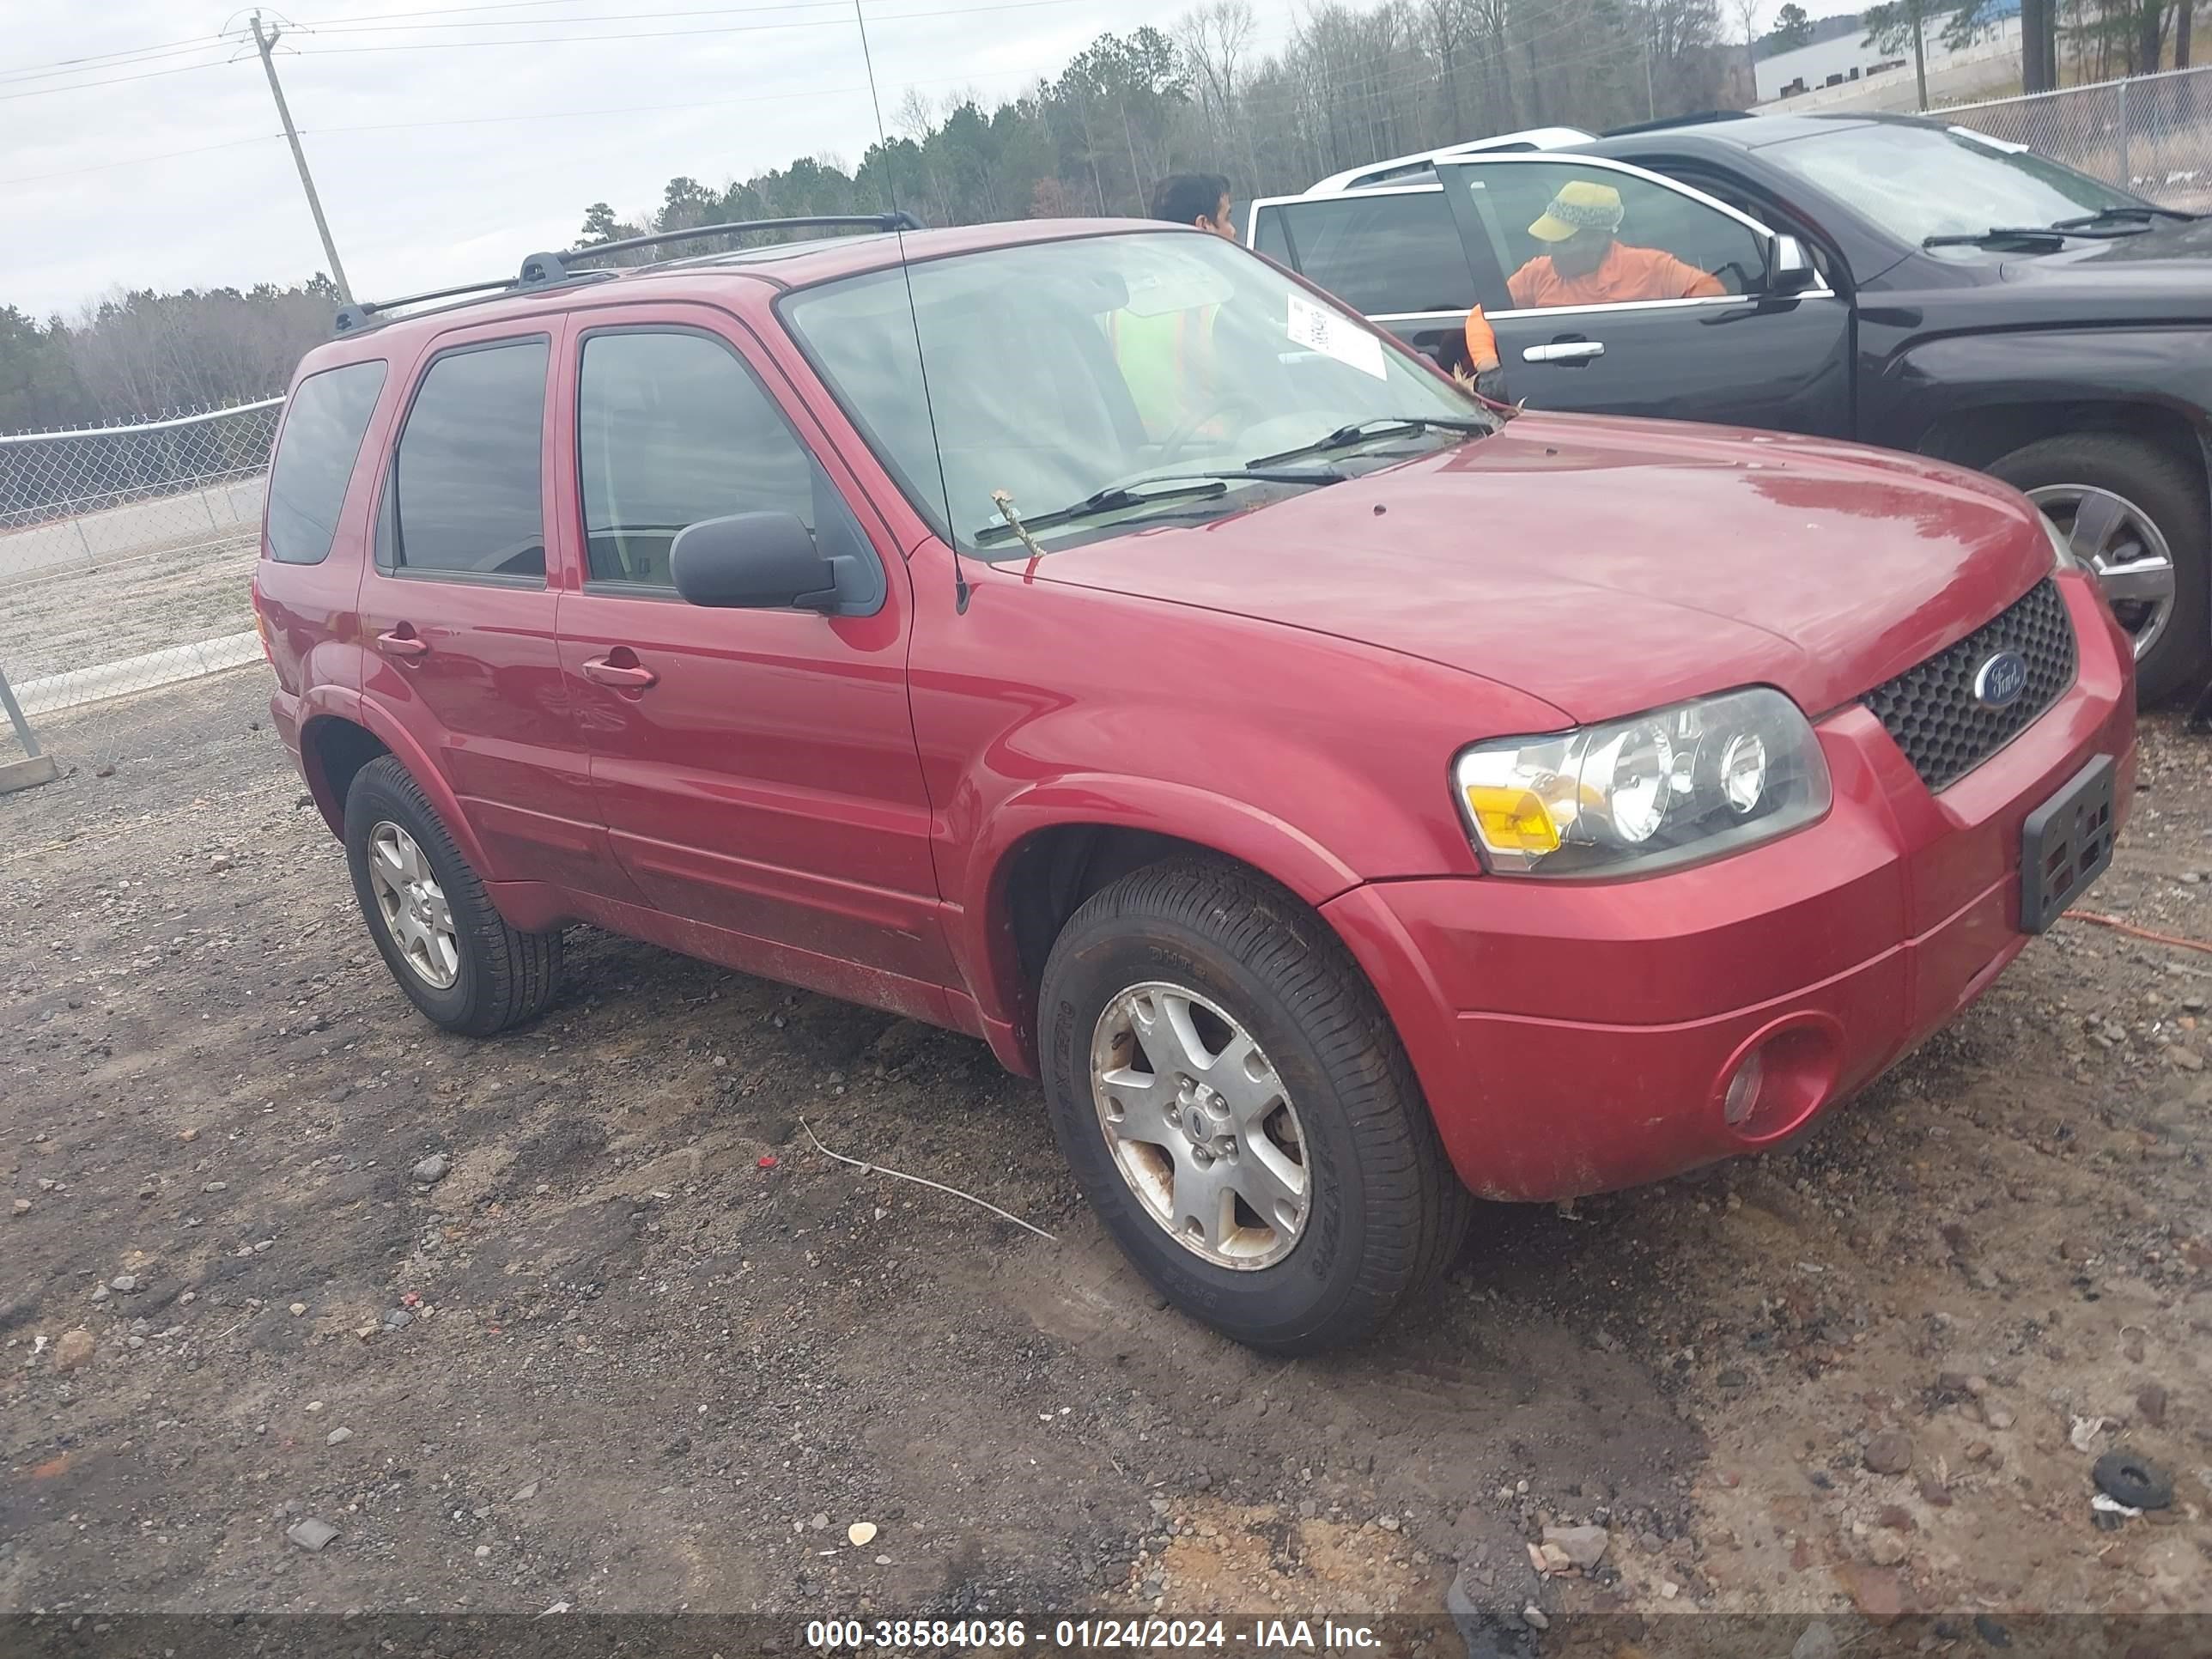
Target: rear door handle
(1564, 351)
(634, 675)
(402, 643)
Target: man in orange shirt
(1588, 266)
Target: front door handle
(1564, 351)
(633, 675)
(402, 643)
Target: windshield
(1060, 370)
(1919, 182)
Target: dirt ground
(643, 1347)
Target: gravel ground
(639, 1346)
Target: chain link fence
(126, 556)
(2150, 133)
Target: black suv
(1888, 279)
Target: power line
(677, 34)
(101, 59)
(567, 114)
(351, 27)
(141, 161)
(441, 11)
(113, 81)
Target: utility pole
(1650, 104)
(265, 45)
(1920, 51)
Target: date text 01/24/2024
(1086, 1635)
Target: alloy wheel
(414, 906)
(1200, 1126)
(2113, 537)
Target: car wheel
(1238, 1109)
(2136, 515)
(452, 953)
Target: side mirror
(753, 562)
(1790, 269)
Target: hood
(1608, 566)
(2171, 261)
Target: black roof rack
(1696, 120)
(546, 271)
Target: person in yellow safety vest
(1167, 360)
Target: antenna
(960, 589)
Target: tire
(1382, 1213)
(498, 977)
(2166, 491)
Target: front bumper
(1573, 1037)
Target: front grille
(1931, 709)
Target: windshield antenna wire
(960, 589)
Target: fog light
(1779, 1077)
(1743, 1090)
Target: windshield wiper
(2051, 236)
(1381, 426)
(1133, 492)
(2138, 211)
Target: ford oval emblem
(2000, 680)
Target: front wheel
(1238, 1111)
(2134, 515)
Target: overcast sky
(448, 142)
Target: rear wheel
(451, 951)
(1238, 1111)
(2136, 515)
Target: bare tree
(1445, 23)
(916, 118)
(1493, 18)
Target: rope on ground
(922, 1181)
(2129, 928)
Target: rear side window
(315, 456)
(1382, 255)
(466, 483)
(671, 429)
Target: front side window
(1917, 182)
(467, 481)
(1382, 255)
(1567, 233)
(671, 429)
(315, 457)
(1061, 372)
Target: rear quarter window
(315, 458)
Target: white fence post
(34, 768)
(2127, 165)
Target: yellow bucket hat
(1580, 205)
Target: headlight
(1641, 794)
(2062, 551)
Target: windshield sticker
(1319, 329)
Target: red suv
(1086, 636)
